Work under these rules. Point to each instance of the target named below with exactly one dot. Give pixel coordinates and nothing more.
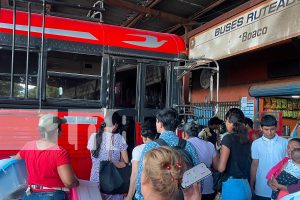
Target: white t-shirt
(268, 152)
(137, 152)
(91, 145)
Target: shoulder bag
(113, 180)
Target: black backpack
(181, 149)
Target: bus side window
(19, 75)
(155, 87)
(73, 76)
(125, 94)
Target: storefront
(258, 50)
(280, 97)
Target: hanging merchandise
(290, 108)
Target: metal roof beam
(138, 17)
(224, 17)
(198, 14)
(63, 4)
(207, 9)
(140, 9)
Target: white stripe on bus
(51, 31)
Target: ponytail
(241, 130)
(99, 135)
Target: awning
(276, 88)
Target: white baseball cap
(50, 122)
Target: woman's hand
(192, 193)
(272, 186)
(273, 183)
(278, 186)
(120, 164)
(127, 198)
(17, 157)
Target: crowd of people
(252, 166)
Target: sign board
(247, 106)
(81, 120)
(268, 23)
(243, 102)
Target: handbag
(113, 180)
(217, 184)
(217, 181)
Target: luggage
(86, 190)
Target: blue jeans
(57, 195)
(236, 189)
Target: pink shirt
(275, 171)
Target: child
(290, 173)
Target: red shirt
(42, 164)
(252, 135)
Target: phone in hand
(195, 174)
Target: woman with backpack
(108, 144)
(235, 158)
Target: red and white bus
(76, 68)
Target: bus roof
(92, 33)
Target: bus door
(123, 81)
(140, 87)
